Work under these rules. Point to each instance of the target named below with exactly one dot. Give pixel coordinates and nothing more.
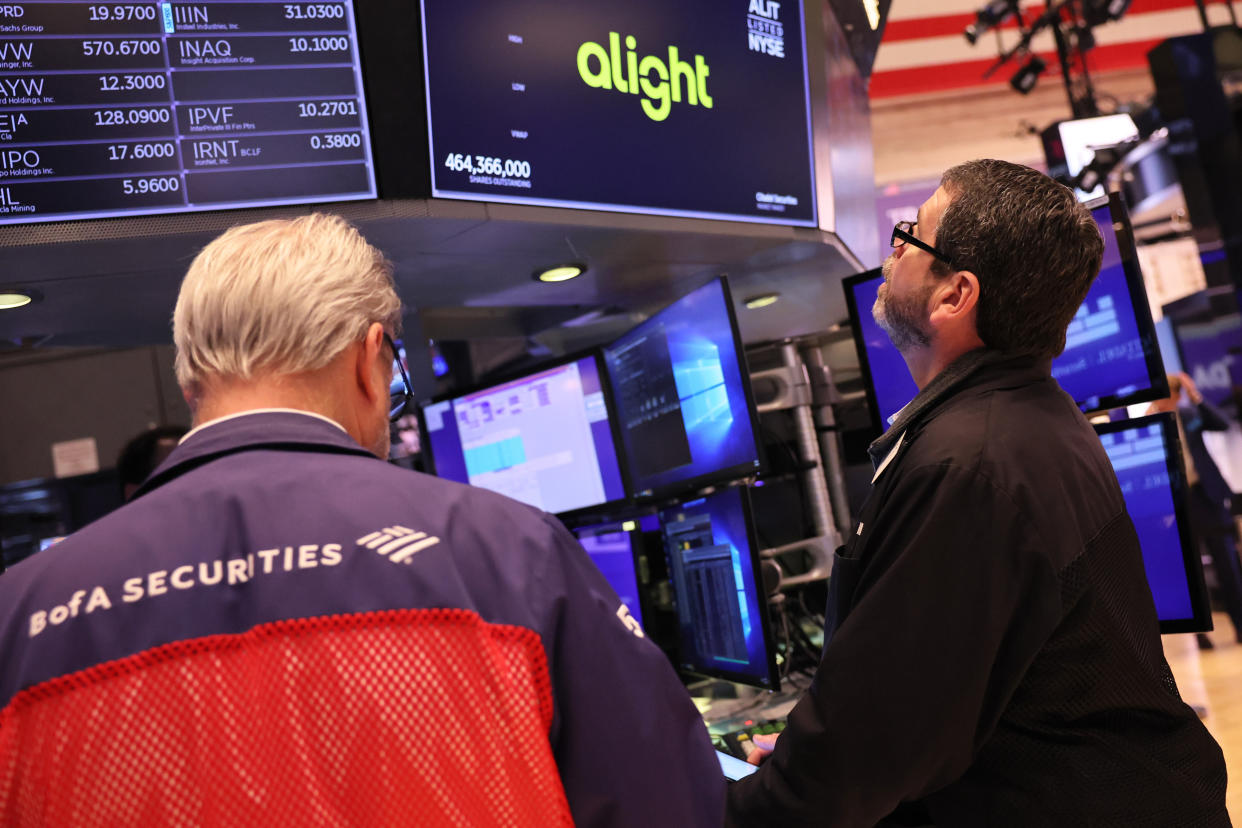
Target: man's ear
(366, 356)
(955, 298)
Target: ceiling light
(762, 300)
(10, 299)
(560, 273)
(1024, 79)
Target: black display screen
(693, 108)
(118, 109)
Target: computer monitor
(1112, 354)
(614, 549)
(1081, 137)
(722, 611)
(1147, 457)
(544, 438)
(682, 395)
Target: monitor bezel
(1192, 565)
(738, 471)
(860, 344)
(596, 354)
(582, 524)
(752, 538)
(1158, 381)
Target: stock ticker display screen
(713, 565)
(680, 387)
(1106, 354)
(127, 108)
(1149, 478)
(694, 108)
(544, 439)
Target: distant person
(1211, 515)
(282, 629)
(992, 655)
(144, 453)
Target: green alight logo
(660, 83)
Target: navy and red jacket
(280, 515)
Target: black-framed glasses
(903, 233)
(400, 394)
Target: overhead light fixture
(11, 298)
(762, 300)
(989, 17)
(1024, 79)
(560, 273)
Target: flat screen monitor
(646, 89)
(613, 548)
(1147, 457)
(722, 613)
(1081, 137)
(1112, 354)
(682, 395)
(137, 108)
(544, 438)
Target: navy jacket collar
(279, 430)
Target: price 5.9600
(159, 184)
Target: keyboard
(738, 742)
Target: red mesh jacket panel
(410, 717)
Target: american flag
(923, 49)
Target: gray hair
(282, 296)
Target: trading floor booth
(705, 169)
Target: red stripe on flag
(923, 79)
(955, 24)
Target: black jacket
(992, 652)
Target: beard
(903, 319)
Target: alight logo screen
(645, 106)
(661, 82)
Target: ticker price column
(269, 102)
(85, 121)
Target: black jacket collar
(975, 369)
(280, 430)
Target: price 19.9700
(486, 165)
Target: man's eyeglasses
(903, 233)
(399, 392)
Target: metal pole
(823, 392)
(1203, 14)
(808, 452)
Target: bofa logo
(661, 84)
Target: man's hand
(763, 744)
(1192, 390)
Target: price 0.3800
(483, 165)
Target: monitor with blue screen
(722, 611)
(1146, 455)
(612, 547)
(1111, 357)
(544, 438)
(682, 395)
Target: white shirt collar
(217, 420)
(888, 459)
